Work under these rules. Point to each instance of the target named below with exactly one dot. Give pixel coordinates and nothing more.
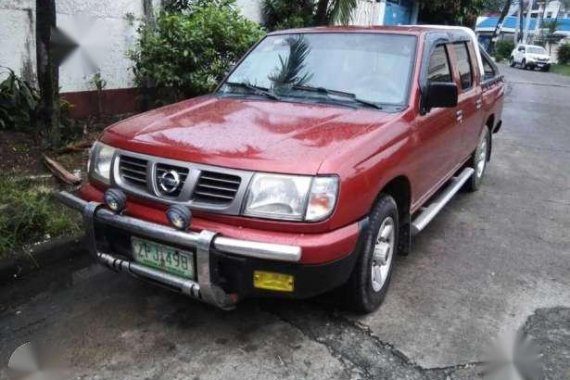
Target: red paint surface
(316, 248)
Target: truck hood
(246, 134)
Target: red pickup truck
(309, 168)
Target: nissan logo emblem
(169, 181)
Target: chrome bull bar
(204, 289)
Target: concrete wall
(17, 38)
(104, 36)
(252, 9)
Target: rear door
(469, 113)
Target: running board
(428, 213)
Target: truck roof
(401, 29)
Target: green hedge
(564, 54)
(503, 50)
(186, 53)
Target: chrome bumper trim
(203, 242)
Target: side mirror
(441, 95)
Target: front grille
(216, 188)
(182, 173)
(133, 170)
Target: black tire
(523, 64)
(474, 183)
(359, 294)
(512, 62)
(546, 69)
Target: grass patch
(29, 214)
(560, 69)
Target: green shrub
(186, 54)
(18, 103)
(28, 214)
(286, 14)
(564, 53)
(503, 49)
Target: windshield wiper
(329, 93)
(255, 89)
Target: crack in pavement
(352, 343)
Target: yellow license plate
(162, 257)
(273, 281)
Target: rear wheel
(479, 161)
(368, 284)
(512, 62)
(524, 66)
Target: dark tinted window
(489, 69)
(464, 65)
(439, 66)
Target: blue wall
(398, 12)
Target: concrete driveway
(493, 262)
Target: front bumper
(224, 266)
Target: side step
(428, 213)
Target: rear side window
(439, 70)
(464, 65)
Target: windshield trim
(407, 98)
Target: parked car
(306, 171)
(530, 57)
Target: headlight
(100, 161)
(297, 198)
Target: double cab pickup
(308, 170)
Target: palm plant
(335, 11)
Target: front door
(438, 135)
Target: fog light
(116, 200)
(179, 217)
(273, 281)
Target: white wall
(104, 35)
(17, 37)
(252, 9)
(367, 13)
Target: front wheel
(479, 161)
(368, 284)
(512, 62)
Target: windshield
(368, 68)
(536, 50)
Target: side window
(439, 70)
(464, 65)
(488, 68)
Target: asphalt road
(492, 263)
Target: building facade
(535, 21)
(103, 31)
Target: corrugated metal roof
(512, 23)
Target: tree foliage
(503, 49)
(185, 54)
(455, 12)
(287, 14)
(564, 54)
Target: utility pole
(528, 18)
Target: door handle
(479, 104)
(459, 116)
